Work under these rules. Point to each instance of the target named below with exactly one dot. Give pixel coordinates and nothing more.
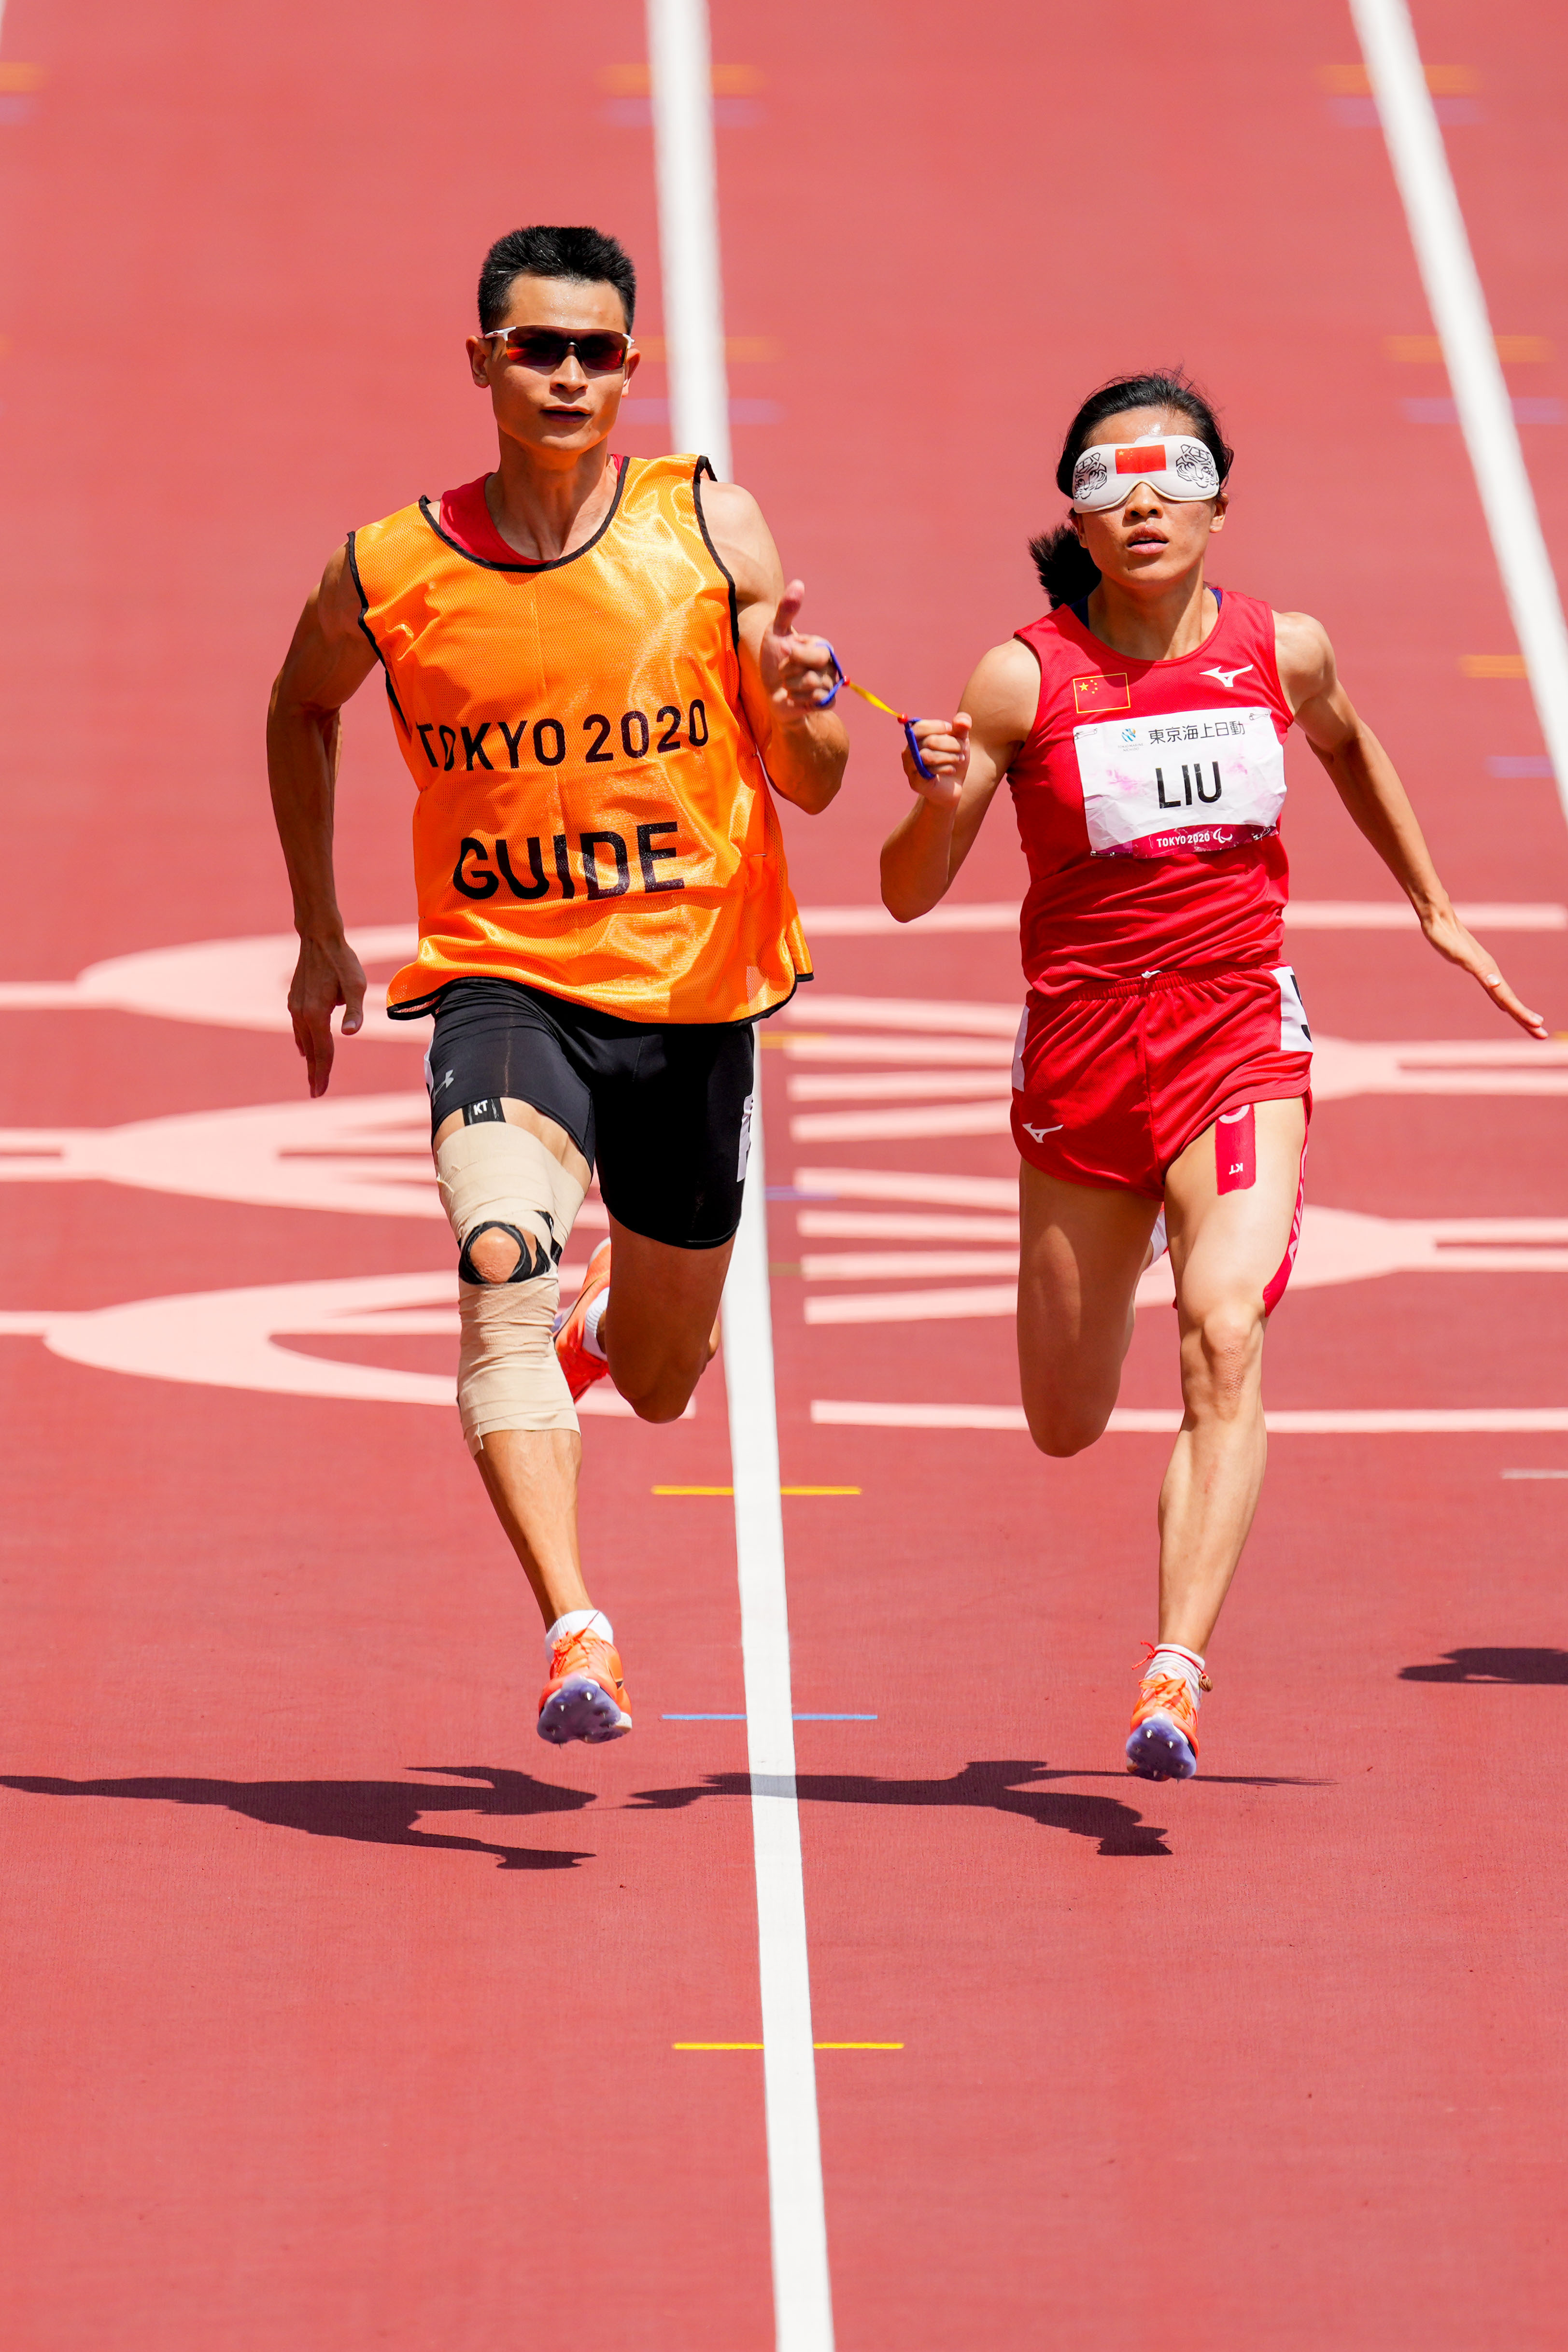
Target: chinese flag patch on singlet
(1097, 694)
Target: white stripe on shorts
(1295, 1037)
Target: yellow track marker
(1493, 665)
(1443, 81)
(635, 80)
(782, 1490)
(736, 347)
(1426, 349)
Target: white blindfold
(1178, 467)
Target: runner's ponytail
(1067, 572)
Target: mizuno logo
(1037, 1132)
(1227, 677)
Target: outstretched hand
(944, 748)
(798, 673)
(325, 976)
(1450, 938)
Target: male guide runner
(587, 659)
(1163, 1063)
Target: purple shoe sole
(1157, 1751)
(581, 1709)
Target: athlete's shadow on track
(993, 1785)
(1492, 1666)
(372, 1813)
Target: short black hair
(1068, 571)
(586, 254)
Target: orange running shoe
(576, 1359)
(1163, 1745)
(585, 1697)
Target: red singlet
(1150, 841)
(1148, 796)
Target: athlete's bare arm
(784, 674)
(329, 659)
(1364, 777)
(968, 757)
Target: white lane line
(908, 1184)
(1390, 915)
(964, 1303)
(902, 1225)
(906, 1085)
(681, 68)
(949, 1053)
(905, 1265)
(901, 1126)
(1338, 1245)
(930, 1015)
(802, 2290)
(1459, 313)
(1301, 914)
(242, 1338)
(874, 922)
(242, 983)
(1163, 1422)
(680, 63)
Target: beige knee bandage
(494, 1175)
(509, 1376)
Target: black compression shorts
(664, 1109)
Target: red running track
(288, 2065)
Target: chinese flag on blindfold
(1148, 458)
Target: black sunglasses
(546, 349)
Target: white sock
(1159, 1241)
(591, 1322)
(577, 1621)
(1169, 1658)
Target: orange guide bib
(592, 816)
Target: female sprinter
(1163, 1070)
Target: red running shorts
(1109, 1086)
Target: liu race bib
(1193, 780)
